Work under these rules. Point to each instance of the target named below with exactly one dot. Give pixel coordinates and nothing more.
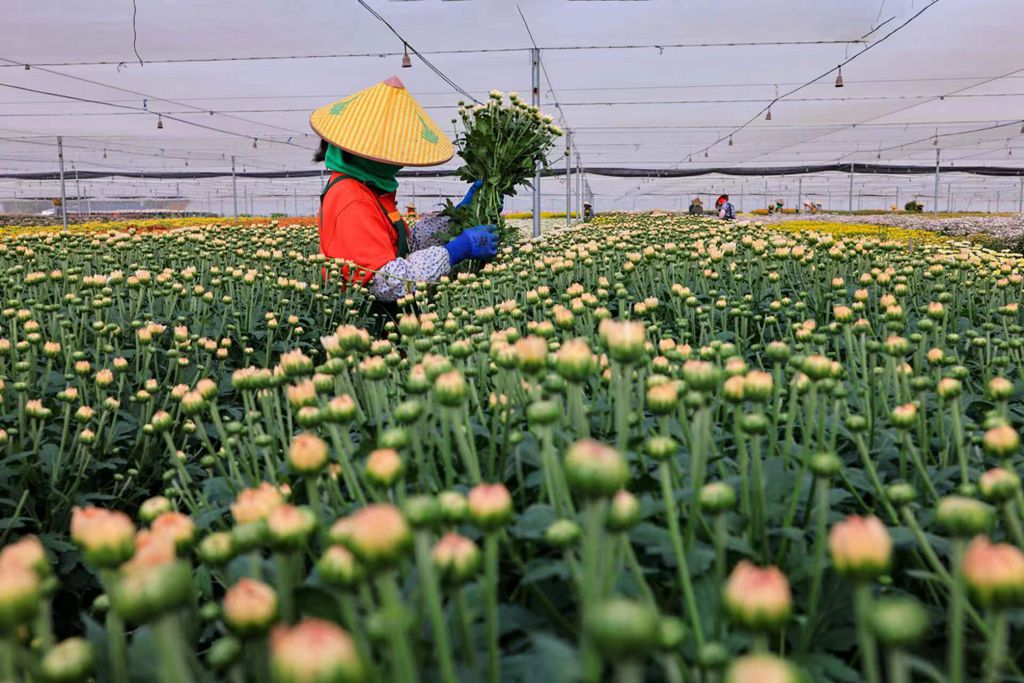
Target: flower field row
(146, 225)
(651, 448)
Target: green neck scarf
(381, 176)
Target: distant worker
(726, 210)
(696, 207)
(778, 206)
(366, 139)
(588, 212)
(722, 199)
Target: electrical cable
(444, 77)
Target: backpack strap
(393, 217)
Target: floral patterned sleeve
(395, 278)
(430, 231)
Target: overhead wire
(443, 76)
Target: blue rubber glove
(479, 243)
(469, 195)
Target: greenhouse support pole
(850, 204)
(799, 194)
(935, 207)
(568, 182)
(234, 185)
(949, 196)
(580, 188)
(535, 68)
(1020, 197)
(897, 197)
(63, 194)
(78, 195)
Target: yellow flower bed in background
(862, 230)
(149, 225)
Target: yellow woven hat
(383, 123)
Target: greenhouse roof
(652, 84)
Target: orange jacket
(353, 227)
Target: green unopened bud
(452, 505)
(562, 533)
(70, 660)
(623, 628)
(594, 469)
(661, 447)
(543, 412)
(339, 567)
(623, 513)
(898, 621)
(1001, 441)
(224, 652)
(901, 494)
(422, 511)
(826, 465)
(964, 517)
(999, 485)
(717, 497)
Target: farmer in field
(366, 139)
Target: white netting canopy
(642, 85)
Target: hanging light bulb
(159, 122)
(254, 143)
(406, 59)
(1022, 127)
(768, 116)
(104, 154)
(705, 154)
(730, 141)
(839, 77)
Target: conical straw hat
(383, 123)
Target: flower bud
(701, 375)
(153, 508)
(19, 595)
(253, 505)
(661, 447)
(762, 668)
(456, 557)
(377, 534)
(289, 527)
(826, 465)
(624, 339)
(623, 513)
(860, 547)
(340, 409)
(489, 506)
(451, 389)
(758, 598)
(147, 590)
(949, 388)
(574, 360)
(623, 628)
(999, 485)
(421, 511)
(68, 661)
(250, 607)
(1001, 442)
(453, 506)
(999, 389)
(758, 385)
(106, 537)
(27, 553)
(662, 399)
(223, 653)
(217, 549)
(314, 651)
(900, 494)
(562, 533)
(994, 572)
(179, 528)
(717, 497)
(817, 367)
(904, 416)
(898, 621)
(339, 567)
(595, 470)
(384, 467)
(307, 453)
(531, 354)
(964, 517)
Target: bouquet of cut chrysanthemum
(500, 145)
